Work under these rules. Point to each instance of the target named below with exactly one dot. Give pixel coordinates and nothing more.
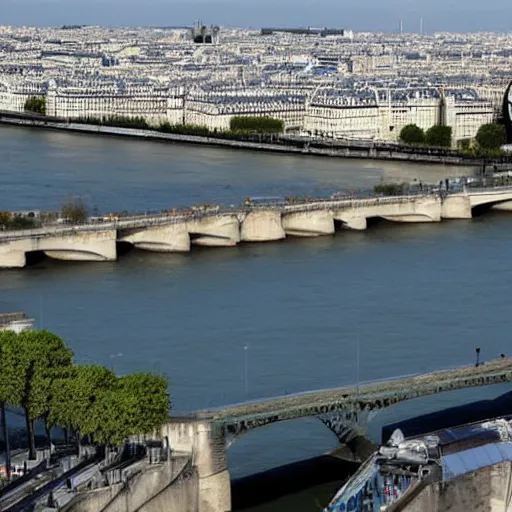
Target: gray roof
(7, 318)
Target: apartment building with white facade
(381, 114)
(215, 109)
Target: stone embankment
(280, 144)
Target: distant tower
(507, 113)
(401, 27)
(421, 26)
(442, 108)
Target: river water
(413, 297)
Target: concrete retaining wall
(206, 443)
(481, 491)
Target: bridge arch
(353, 405)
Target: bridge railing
(354, 200)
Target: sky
(360, 15)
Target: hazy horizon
(367, 15)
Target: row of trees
(38, 374)
(9, 220)
(488, 140)
(117, 121)
(262, 124)
(436, 136)
(238, 125)
(36, 105)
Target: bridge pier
(356, 223)
(219, 231)
(164, 238)
(12, 254)
(262, 226)
(308, 223)
(205, 442)
(456, 207)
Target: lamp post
(246, 370)
(358, 351)
(112, 357)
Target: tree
(412, 134)
(137, 404)
(263, 124)
(74, 210)
(11, 384)
(389, 189)
(491, 136)
(42, 358)
(5, 219)
(77, 398)
(36, 105)
(439, 136)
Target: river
(413, 297)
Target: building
(214, 109)
(17, 322)
(380, 114)
(106, 99)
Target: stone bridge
(206, 434)
(228, 227)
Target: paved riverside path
(366, 396)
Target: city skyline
(368, 15)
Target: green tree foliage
(74, 210)
(185, 129)
(9, 221)
(36, 105)
(256, 124)
(439, 136)
(389, 189)
(491, 136)
(39, 358)
(412, 134)
(11, 385)
(37, 374)
(78, 397)
(137, 122)
(136, 404)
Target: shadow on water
(34, 258)
(277, 486)
(123, 248)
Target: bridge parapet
(367, 397)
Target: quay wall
(296, 146)
(173, 485)
(484, 490)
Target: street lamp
(357, 363)
(246, 370)
(112, 357)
